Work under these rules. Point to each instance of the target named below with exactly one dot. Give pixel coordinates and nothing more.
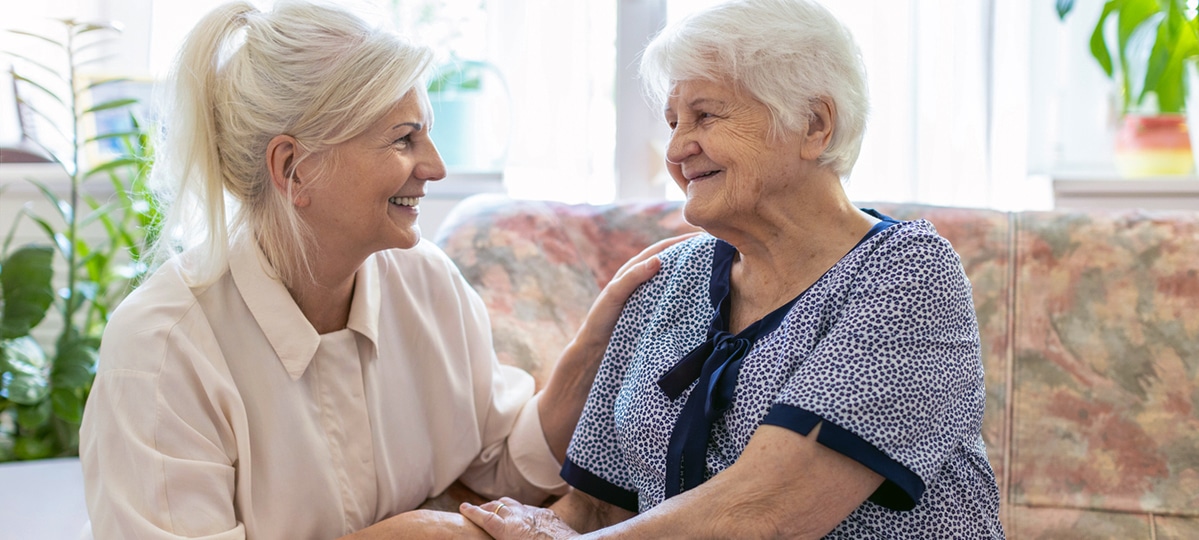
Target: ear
(282, 153)
(821, 121)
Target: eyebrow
(416, 126)
(697, 102)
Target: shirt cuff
(901, 488)
(531, 453)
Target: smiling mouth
(708, 174)
(404, 201)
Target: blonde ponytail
(307, 69)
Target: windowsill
(456, 185)
(13, 177)
(1083, 191)
(461, 183)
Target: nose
(681, 146)
(431, 167)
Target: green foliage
(1153, 40)
(42, 394)
(459, 74)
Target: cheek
(676, 172)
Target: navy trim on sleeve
(587, 482)
(900, 489)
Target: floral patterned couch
(1090, 328)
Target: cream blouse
(219, 412)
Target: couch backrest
(1089, 324)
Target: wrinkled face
(722, 155)
(369, 199)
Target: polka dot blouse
(883, 349)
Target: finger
(624, 284)
(653, 249)
(485, 519)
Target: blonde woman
(302, 364)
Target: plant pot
(470, 105)
(1154, 145)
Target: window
(974, 102)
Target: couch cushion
(1106, 374)
(538, 265)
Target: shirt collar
(290, 334)
(367, 302)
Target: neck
(326, 308)
(324, 297)
(796, 243)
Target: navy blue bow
(715, 363)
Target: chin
(409, 243)
(407, 239)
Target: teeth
(404, 201)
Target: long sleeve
(515, 460)
(156, 444)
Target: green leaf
(102, 213)
(64, 245)
(49, 70)
(100, 45)
(41, 223)
(54, 199)
(49, 93)
(1145, 57)
(86, 289)
(1063, 8)
(33, 417)
(113, 135)
(112, 165)
(96, 60)
(104, 82)
(29, 381)
(459, 75)
(31, 447)
(25, 279)
(92, 27)
(114, 104)
(51, 41)
(67, 405)
(6, 445)
(50, 122)
(1129, 16)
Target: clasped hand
(507, 518)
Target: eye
(403, 142)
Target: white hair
(314, 71)
(787, 54)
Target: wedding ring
(497, 509)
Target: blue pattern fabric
(883, 350)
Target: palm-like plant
(41, 395)
(1151, 42)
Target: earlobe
(821, 122)
(281, 156)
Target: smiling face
(368, 199)
(722, 155)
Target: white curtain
(949, 101)
(951, 89)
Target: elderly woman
(302, 364)
(808, 368)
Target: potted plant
(1144, 45)
(43, 386)
(469, 100)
